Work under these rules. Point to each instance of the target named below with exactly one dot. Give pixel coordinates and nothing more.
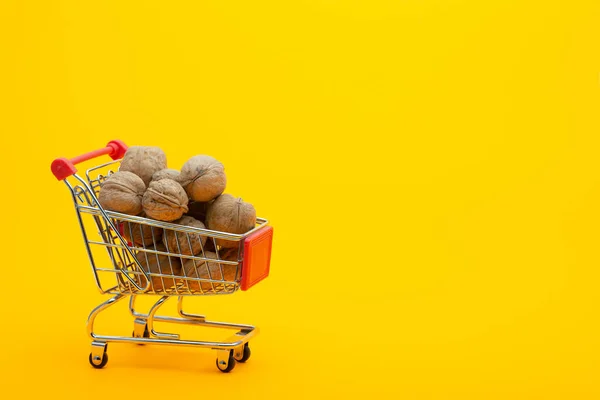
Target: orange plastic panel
(257, 257)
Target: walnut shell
(229, 254)
(182, 242)
(122, 192)
(203, 178)
(232, 215)
(144, 161)
(208, 270)
(210, 245)
(165, 200)
(159, 264)
(141, 234)
(198, 210)
(166, 174)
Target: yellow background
(430, 168)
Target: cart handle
(62, 168)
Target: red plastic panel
(257, 257)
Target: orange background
(430, 168)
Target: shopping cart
(137, 266)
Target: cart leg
(150, 321)
(98, 310)
(98, 357)
(134, 313)
(186, 315)
(140, 328)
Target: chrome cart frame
(143, 262)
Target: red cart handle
(62, 168)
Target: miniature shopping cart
(127, 272)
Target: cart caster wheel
(230, 364)
(245, 355)
(98, 363)
(146, 335)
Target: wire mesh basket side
(147, 256)
(182, 263)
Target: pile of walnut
(193, 196)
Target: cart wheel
(102, 362)
(230, 364)
(145, 335)
(245, 355)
